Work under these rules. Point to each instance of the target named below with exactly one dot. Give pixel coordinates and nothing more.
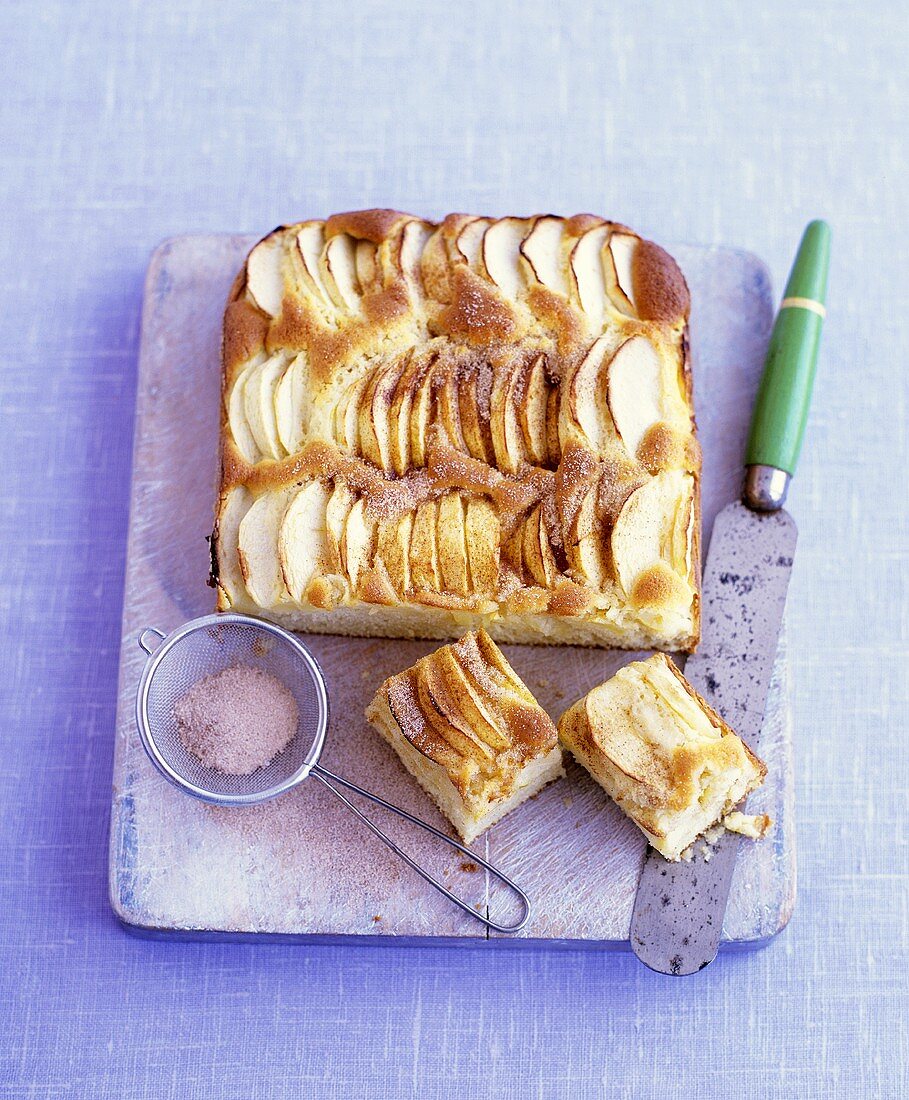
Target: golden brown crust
(475, 314)
(245, 332)
(580, 223)
(655, 586)
(401, 364)
(660, 290)
(366, 225)
(555, 312)
(664, 447)
(696, 570)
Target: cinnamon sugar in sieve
(237, 720)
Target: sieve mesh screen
(209, 648)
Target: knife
(678, 912)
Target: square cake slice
(469, 731)
(665, 756)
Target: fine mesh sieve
(207, 646)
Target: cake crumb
(237, 720)
(703, 845)
(754, 826)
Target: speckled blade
(678, 913)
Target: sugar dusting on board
(237, 720)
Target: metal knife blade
(678, 914)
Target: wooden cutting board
(303, 867)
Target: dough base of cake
(433, 623)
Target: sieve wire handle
(328, 779)
(148, 633)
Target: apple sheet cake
(435, 427)
(664, 755)
(470, 732)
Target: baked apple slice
(302, 548)
(542, 249)
(265, 275)
(258, 549)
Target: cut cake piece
(661, 752)
(469, 731)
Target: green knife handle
(781, 410)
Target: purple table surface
(123, 123)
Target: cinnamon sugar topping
(237, 720)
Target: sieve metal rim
(143, 723)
